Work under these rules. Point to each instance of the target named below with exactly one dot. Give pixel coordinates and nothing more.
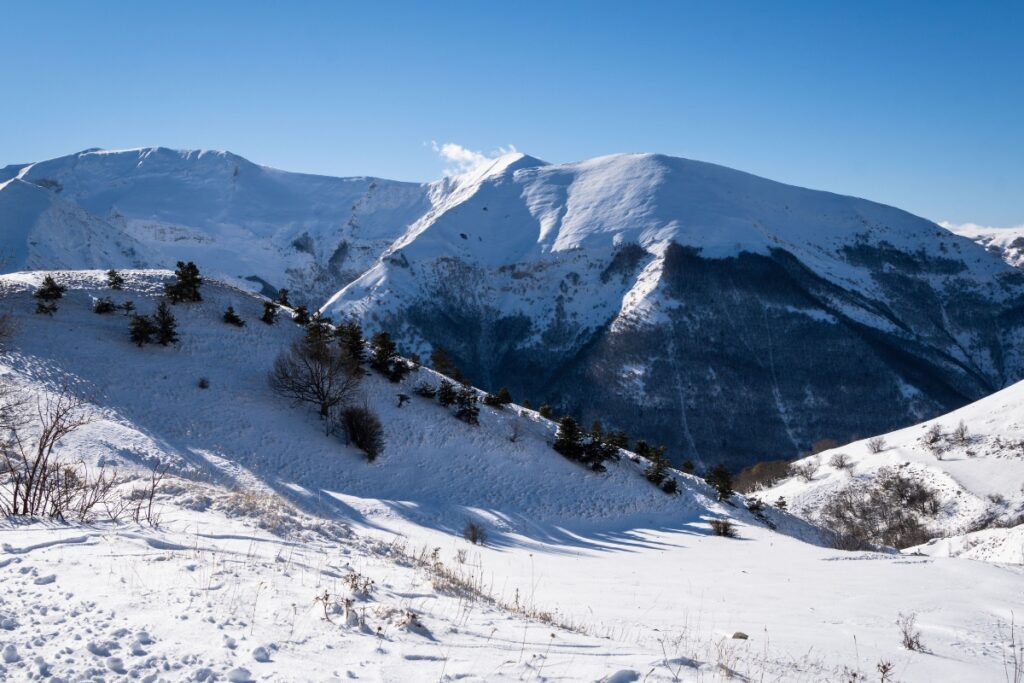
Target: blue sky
(915, 104)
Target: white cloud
(975, 229)
(461, 159)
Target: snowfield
(281, 554)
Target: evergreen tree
(165, 326)
(141, 329)
(185, 286)
(282, 297)
(231, 318)
(617, 438)
(50, 291)
(687, 466)
(269, 312)
(546, 411)
(443, 363)
(46, 307)
(504, 397)
(569, 439)
(446, 394)
(414, 358)
(466, 408)
(301, 316)
(104, 305)
(128, 307)
(526, 404)
(350, 336)
(382, 351)
(114, 279)
(656, 472)
(319, 331)
(721, 479)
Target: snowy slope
(651, 292)
(1006, 242)
(980, 480)
(584, 576)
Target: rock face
(728, 316)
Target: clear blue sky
(915, 104)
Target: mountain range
(728, 316)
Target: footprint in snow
(43, 580)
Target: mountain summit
(726, 315)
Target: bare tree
(34, 481)
(316, 372)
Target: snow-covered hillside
(1006, 242)
(584, 576)
(973, 458)
(687, 303)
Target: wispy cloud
(974, 228)
(461, 159)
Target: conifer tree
(185, 286)
(446, 394)
(282, 297)
(231, 318)
(50, 291)
(617, 438)
(165, 326)
(104, 305)
(319, 331)
(114, 279)
(301, 316)
(269, 312)
(128, 307)
(350, 336)
(382, 351)
(141, 329)
(721, 479)
(443, 363)
(569, 439)
(504, 397)
(546, 411)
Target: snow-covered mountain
(282, 554)
(1007, 242)
(972, 458)
(728, 316)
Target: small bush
(546, 411)
(670, 486)
(104, 306)
(723, 527)
(805, 470)
(425, 390)
(960, 435)
(446, 394)
(114, 279)
(493, 401)
(269, 312)
(721, 478)
(231, 318)
(840, 461)
(910, 637)
(364, 429)
(474, 533)
(46, 308)
(876, 445)
(203, 383)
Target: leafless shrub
(885, 671)
(888, 510)
(475, 533)
(910, 637)
(34, 481)
(877, 444)
(804, 470)
(761, 475)
(960, 436)
(364, 429)
(318, 373)
(935, 440)
(359, 585)
(1013, 661)
(723, 527)
(840, 461)
(143, 499)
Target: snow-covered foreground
(583, 577)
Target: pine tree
(526, 404)
(617, 438)
(141, 329)
(569, 439)
(269, 312)
(656, 472)
(104, 305)
(165, 326)
(128, 307)
(114, 279)
(301, 316)
(319, 331)
(382, 351)
(546, 411)
(466, 408)
(721, 479)
(282, 297)
(441, 362)
(50, 291)
(504, 397)
(446, 394)
(350, 336)
(231, 318)
(185, 286)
